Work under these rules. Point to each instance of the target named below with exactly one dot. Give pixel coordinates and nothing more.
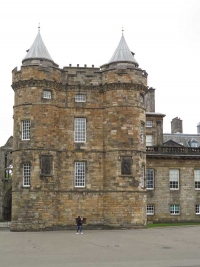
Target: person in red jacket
(79, 225)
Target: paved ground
(163, 247)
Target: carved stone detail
(46, 165)
(126, 164)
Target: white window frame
(149, 140)
(150, 179)
(175, 209)
(79, 130)
(80, 98)
(197, 209)
(197, 179)
(174, 179)
(149, 123)
(142, 133)
(79, 173)
(150, 209)
(26, 126)
(26, 174)
(47, 94)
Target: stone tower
(124, 137)
(79, 142)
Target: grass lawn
(152, 225)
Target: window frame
(173, 183)
(173, 210)
(26, 129)
(197, 209)
(197, 180)
(80, 98)
(79, 131)
(152, 180)
(47, 91)
(149, 123)
(82, 178)
(149, 143)
(27, 174)
(148, 211)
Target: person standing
(79, 225)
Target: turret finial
(122, 30)
(39, 27)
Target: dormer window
(193, 143)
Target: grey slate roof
(182, 139)
(38, 50)
(123, 53)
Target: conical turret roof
(38, 50)
(123, 53)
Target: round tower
(124, 85)
(37, 88)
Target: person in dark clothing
(79, 225)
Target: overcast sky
(163, 34)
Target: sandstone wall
(162, 197)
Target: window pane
(26, 174)
(174, 209)
(150, 179)
(174, 179)
(47, 94)
(149, 123)
(79, 174)
(149, 141)
(150, 209)
(197, 209)
(79, 129)
(26, 130)
(80, 98)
